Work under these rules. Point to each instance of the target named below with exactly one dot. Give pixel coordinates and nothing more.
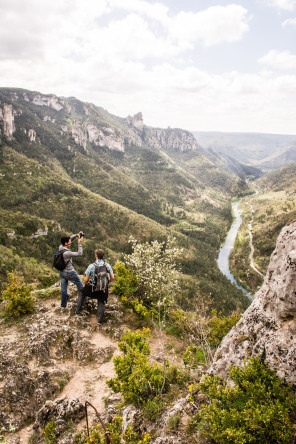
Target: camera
(81, 235)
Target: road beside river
(223, 258)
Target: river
(223, 258)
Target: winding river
(223, 258)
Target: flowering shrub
(154, 266)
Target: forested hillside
(68, 166)
(270, 208)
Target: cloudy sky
(200, 65)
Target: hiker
(69, 273)
(97, 277)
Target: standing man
(90, 281)
(69, 273)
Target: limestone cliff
(177, 139)
(7, 120)
(268, 327)
(88, 125)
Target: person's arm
(110, 271)
(75, 235)
(87, 274)
(70, 253)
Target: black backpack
(102, 278)
(59, 261)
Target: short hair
(99, 253)
(65, 239)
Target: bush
(193, 357)
(154, 266)
(17, 295)
(50, 432)
(256, 410)
(126, 281)
(219, 326)
(137, 379)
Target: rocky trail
(54, 358)
(52, 362)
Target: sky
(200, 65)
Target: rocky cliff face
(268, 327)
(88, 125)
(170, 138)
(7, 120)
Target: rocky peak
(136, 121)
(268, 326)
(7, 120)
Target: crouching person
(97, 278)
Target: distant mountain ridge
(264, 151)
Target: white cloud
(131, 56)
(287, 5)
(282, 60)
(154, 11)
(288, 22)
(212, 26)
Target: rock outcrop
(51, 101)
(61, 411)
(268, 327)
(177, 139)
(32, 135)
(136, 121)
(7, 120)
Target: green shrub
(17, 295)
(193, 356)
(50, 432)
(126, 282)
(174, 422)
(256, 410)
(153, 408)
(137, 379)
(219, 326)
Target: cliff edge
(268, 327)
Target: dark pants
(99, 295)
